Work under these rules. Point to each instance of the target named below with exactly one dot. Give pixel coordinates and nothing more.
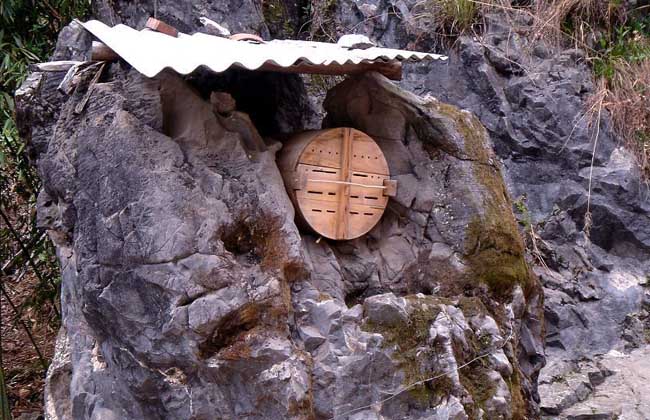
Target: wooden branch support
(390, 69)
(101, 52)
(54, 66)
(78, 109)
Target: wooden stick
(344, 190)
(101, 52)
(329, 181)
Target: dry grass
(616, 41)
(581, 22)
(627, 100)
(451, 16)
(620, 54)
(615, 38)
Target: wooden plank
(367, 156)
(324, 150)
(323, 215)
(342, 228)
(363, 217)
(162, 27)
(390, 69)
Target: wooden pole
(390, 69)
(101, 52)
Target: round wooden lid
(342, 191)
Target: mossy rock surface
(494, 249)
(410, 343)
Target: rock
(564, 393)
(237, 17)
(622, 392)
(74, 43)
(531, 97)
(386, 310)
(193, 312)
(222, 103)
(353, 41)
(186, 280)
(586, 415)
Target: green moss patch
(495, 250)
(410, 341)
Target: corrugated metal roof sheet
(150, 52)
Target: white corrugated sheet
(150, 52)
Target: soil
(24, 371)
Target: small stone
(355, 41)
(386, 309)
(222, 103)
(311, 337)
(354, 314)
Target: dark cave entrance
(277, 103)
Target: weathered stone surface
(617, 388)
(186, 281)
(533, 98)
(240, 16)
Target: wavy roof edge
(151, 52)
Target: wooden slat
(339, 195)
(344, 189)
(367, 156)
(321, 214)
(325, 150)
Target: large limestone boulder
(189, 292)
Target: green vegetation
(411, 343)
(322, 24)
(452, 17)
(28, 32)
(622, 62)
(279, 20)
(627, 43)
(494, 249)
(522, 209)
(412, 349)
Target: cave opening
(277, 103)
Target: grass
(28, 33)
(617, 42)
(453, 16)
(614, 35)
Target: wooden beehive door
(342, 192)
